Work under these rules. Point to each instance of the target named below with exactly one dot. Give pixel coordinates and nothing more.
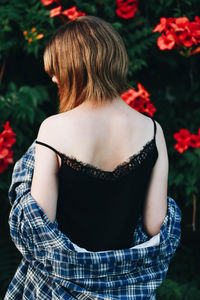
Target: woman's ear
(54, 79)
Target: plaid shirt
(53, 267)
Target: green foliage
(176, 291)
(185, 174)
(18, 16)
(182, 281)
(21, 105)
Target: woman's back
(99, 200)
(103, 137)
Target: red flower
(186, 39)
(72, 13)
(8, 135)
(126, 8)
(48, 2)
(7, 139)
(142, 92)
(180, 22)
(139, 100)
(194, 28)
(180, 147)
(183, 32)
(55, 11)
(195, 141)
(178, 31)
(3, 152)
(166, 41)
(186, 139)
(165, 25)
(182, 136)
(149, 109)
(9, 158)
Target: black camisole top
(98, 210)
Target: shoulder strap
(154, 127)
(41, 143)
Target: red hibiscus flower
(194, 28)
(186, 139)
(195, 141)
(182, 136)
(179, 32)
(72, 13)
(7, 139)
(139, 100)
(3, 152)
(181, 147)
(126, 9)
(166, 41)
(55, 11)
(9, 158)
(182, 29)
(49, 2)
(165, 25)
(8, 135)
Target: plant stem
(2, 69)
(191, 73)
(194, 211)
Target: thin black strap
(60, 154)
(154, 127)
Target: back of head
(89, 59)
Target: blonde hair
(89, 59)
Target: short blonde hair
(89, 59)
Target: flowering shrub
(139, 100)
(7, 139)
(125, 9)
(27, 96)
(179, 33)
(27, 30)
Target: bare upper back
(103, 138)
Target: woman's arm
(155, 206)
(44, 187)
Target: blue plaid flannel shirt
(52, 268)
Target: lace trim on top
(121, 170)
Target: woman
(95, 211)
(88, 61)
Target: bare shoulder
(160, 143)
(46, 127)
(160, 137)
(163, 159)
(51, 127)
(54, 119)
